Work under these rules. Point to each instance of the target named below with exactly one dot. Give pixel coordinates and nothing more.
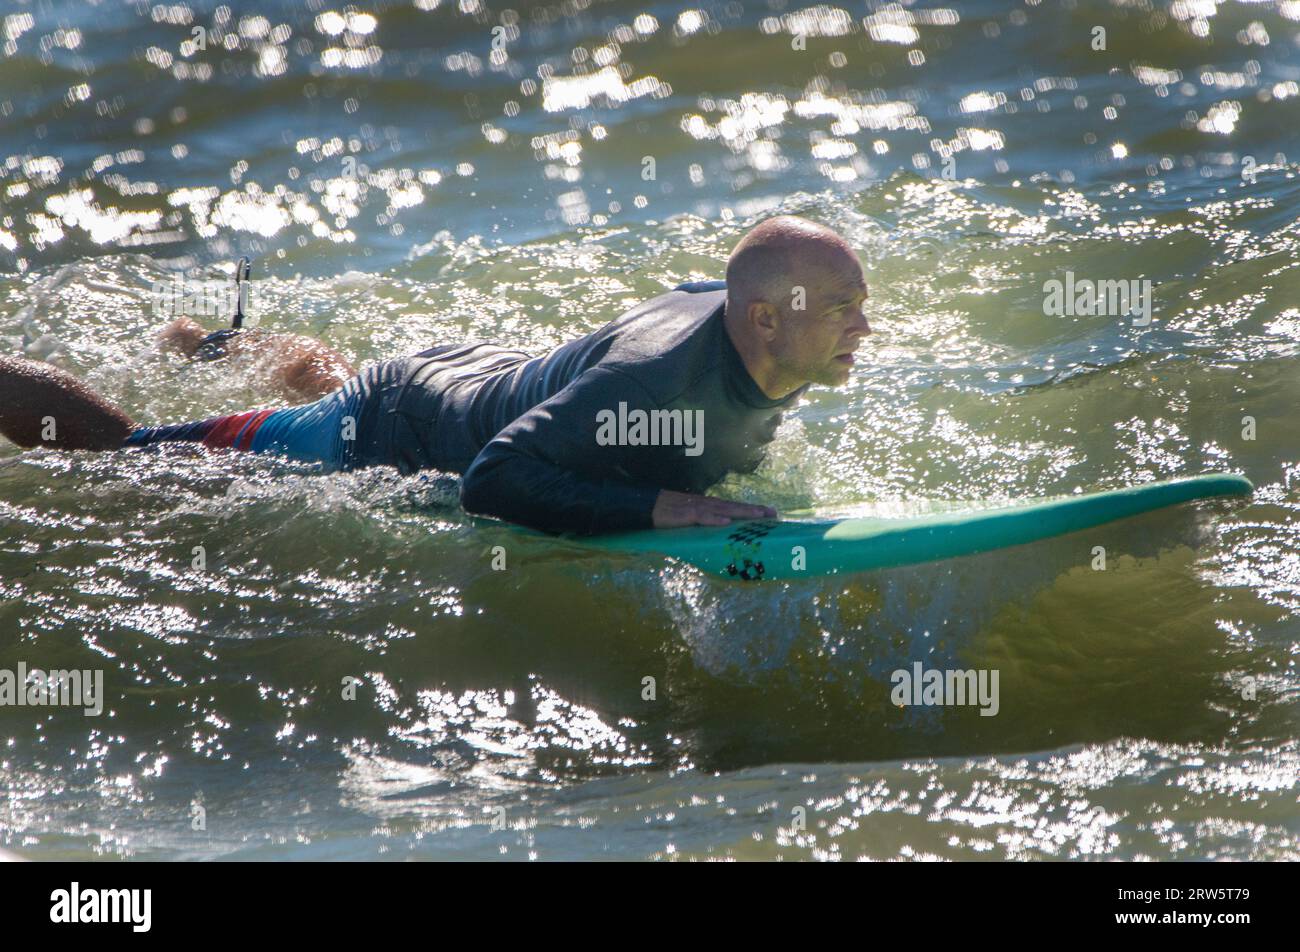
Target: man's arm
(546, 470)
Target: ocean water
(410, 173)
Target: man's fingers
(712, 519)
(683, 509)
(738, 510)
(742, 510)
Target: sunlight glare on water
(430, 172)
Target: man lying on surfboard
(625, 428)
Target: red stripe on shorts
(236, 431)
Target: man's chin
(833, 374)
(836, 374)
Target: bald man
(625, 428)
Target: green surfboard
(781, 549)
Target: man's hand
(674, 510)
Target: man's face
(816, 344)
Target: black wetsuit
(524, 431)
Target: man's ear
(763, 317)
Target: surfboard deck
(785, 549)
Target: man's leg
(41, 405)
(183, 335)
(299, 367)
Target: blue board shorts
(323, 432)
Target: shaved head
(795, 291)
(778, 255)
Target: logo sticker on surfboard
(743, 546)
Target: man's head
(795, 292)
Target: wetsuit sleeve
(548, 471)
